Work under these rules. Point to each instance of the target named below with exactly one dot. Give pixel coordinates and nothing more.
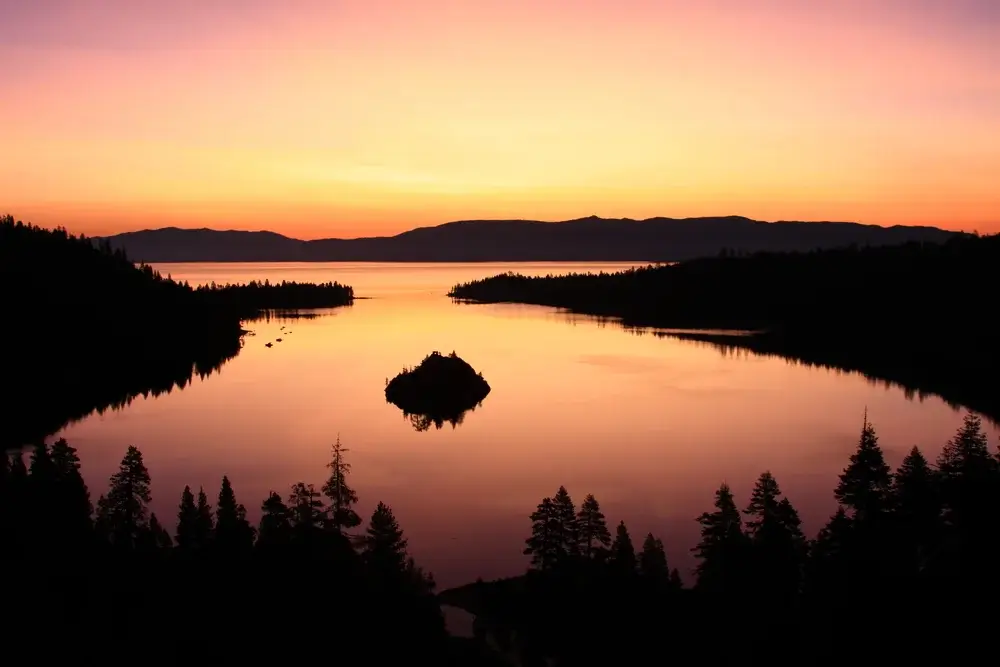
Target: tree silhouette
(40, 505)
(593, 528)
(205, 522)
(71, 496)
(307, 513)
(653, 562)
(123, 513)
(723, 547)
(233, 533)
(275, 524)
(828, 567)
(865, 483)
(567, 537)
(775, 533)
(970, 493)
(342, 496)
(157, 538)
(187, 522)
(916, 511)
(622, 555)
(543, 545)
(385, 547)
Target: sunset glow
(355, 118)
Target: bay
(650, 425)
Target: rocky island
(442, 388)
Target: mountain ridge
(581, 239)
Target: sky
(369, 117)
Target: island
(441, 388)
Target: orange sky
(349, 118)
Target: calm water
(650, 426)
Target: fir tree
(233, 533)
(342, 496)
(865, 483)
(123, 514)
(565, 515)
(723, 546)
(385, 547)
(763, 505)
(970, 494)
(593, 528)
(622, 555)
(187, 522)
(307, 514)
(543, 545)
(653, 562)
(158, 537)
(275, 523)
(41, 471)
(41, 509)
(205, 521)
(775, 533)
(71, 493)
(916, 509)
(829, 555)
(968, 474)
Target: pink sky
(341, 118)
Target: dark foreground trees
(904, 571)
(115, 583)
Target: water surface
(649, 425)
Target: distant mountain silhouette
(586, 239)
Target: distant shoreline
(508, 241)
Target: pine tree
(968, 474)
(158, 537)
(865, 483)
(829, 564)
(307, 513)
(205, 522)
(763, 505)
(187, 522)
(542, 546)
(775, 534)
(593, 528)
(41, 471)
(123, 514)
(970, 493)
(40, 508)
(723, 546)
(653, 562)
(385, 547)
(622, 555)
(568, 535)
(275, 524)
(233, 533)
(342, 496)
(916, 509)
(71, 494)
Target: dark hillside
(586, 239)
(916, 314)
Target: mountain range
(590, 239)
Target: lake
(649, 425)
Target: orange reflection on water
(651, 426)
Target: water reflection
(649, 425)
(423, 422)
